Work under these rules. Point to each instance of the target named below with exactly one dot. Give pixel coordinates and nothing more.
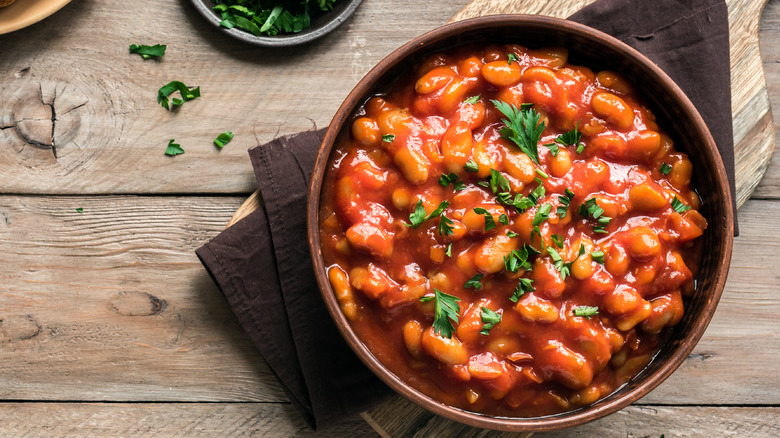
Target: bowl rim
(286, 40)
(534, 424)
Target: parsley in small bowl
(276, 22)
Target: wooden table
(109, 325)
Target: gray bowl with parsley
(276, 23)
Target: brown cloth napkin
(262, 265)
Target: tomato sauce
(581, 280)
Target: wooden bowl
(675, 113)
(321, 25)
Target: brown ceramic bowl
(675, 113)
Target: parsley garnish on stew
(471, 166)
(591, 209)
(498, 182)
(223, 139)
(565, 200)
(173, 149)
(598, 256)
(388, 138)
(570, 138)
(511, 57)
(665, 168)
(448, 252)
(522, 127)
(542, 214)
(489, 222)
(472, 100)
(557, 239)
(678, 206)
(447, 310)
(523, 287)
(452, 178)
(474, 282)
(170, 88)
(489, 320)
(418, 216)
(586, 311)
(270, 18)
(518, 258)
(445, 226)
(147, 52)
(560, 266)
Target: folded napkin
(262, 266)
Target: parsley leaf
(523, 287)
(518, 258)
(522, 127)
(503, 219)
(541, 173)
(223, 139)
(557, 240)
(489, 222)
(472, 100)
(447, 310)
(452, 178)
(511, 57)
(498, 182)
(79, 210)
(511, 234)
(489, 320)
(471, 166)
(665, 168)
(474, 282)
(173, 86)
(586, 311)
(448, 252)
(560, 266)
(572, 138)
(591, 209)
(445, 226)
(418, 216)
(388, 138)
(173, 149)
(147, 52)
(598, 256)
(542, 214)
(554, 149)
(678, 206)
(565, 200)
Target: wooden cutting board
(754, 140)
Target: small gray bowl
(320, 25)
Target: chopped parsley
(472, 100)
(560, 266)
(518, 258)
(223, 139)
(678, 206)
(522, 287)
(557, 240)
(418, 216)
(471, 166)
(447, 310)
(665, 168)
(448, 252)
(586, 311)
(452, 178)
(498, 182)
(261, 18)
(522, 127)
(572, 138)
(489, 320)
(146, 52)
(511, 57)
(542, 214)
(541, 173)
(565, 200)
(591, 209)
(490, 223)
(173, 149)
(598, 256)
(474, 282)
(170, 88)
(79, 210)
(445, 226)
(511, 234)
(537, 193)
(388, 138)
(554, 149)
(503, 219)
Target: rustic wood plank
(113, 304)
(770, 54)
(110, 133)
(275, 419)
(165, 420)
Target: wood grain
(109, 132)
(769, 188)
